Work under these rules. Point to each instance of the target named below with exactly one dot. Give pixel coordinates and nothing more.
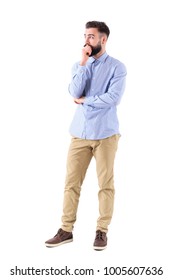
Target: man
(97, 85)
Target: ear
(104, 39)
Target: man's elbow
(74, 94)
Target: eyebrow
(89, 35)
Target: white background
(40, 41)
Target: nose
(87, 41)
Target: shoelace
(59, 232)
(99, 235)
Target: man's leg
(104, 154)
(79, 157)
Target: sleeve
(78, 82)
(114, 93)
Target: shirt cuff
(89, 100)
(81, 69)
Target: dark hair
(101, 26)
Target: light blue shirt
(102, 82)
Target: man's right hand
(86, 51)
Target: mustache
(87, 45)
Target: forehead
(91, 31)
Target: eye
(91, 37)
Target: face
(94, 39)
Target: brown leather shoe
(100, 242)
(60, 238)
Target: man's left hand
(79, 100)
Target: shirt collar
(100, 59)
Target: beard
(96, 49)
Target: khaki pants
(80, 154)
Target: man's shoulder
(116, 63)
(114, 60)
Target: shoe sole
(97, 248)
(58, 244)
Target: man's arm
(79, 75)
(112, 96)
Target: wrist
(82, 63)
